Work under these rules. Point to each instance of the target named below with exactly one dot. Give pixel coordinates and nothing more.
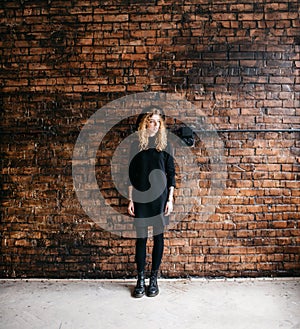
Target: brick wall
(238, 61)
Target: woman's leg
(140, 258)
(140, 247)
(157, 253)
(140, 253)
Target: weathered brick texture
(238, 61)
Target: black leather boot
(153, 286)
(139, 290)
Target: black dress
(158, 168)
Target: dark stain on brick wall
(237, 61)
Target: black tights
(157, 252)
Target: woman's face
(153, 124)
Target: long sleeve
(132, 165)
(170, 168)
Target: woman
(152, 177)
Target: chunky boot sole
(140, 295)
(152, 290)
(139, 291)
(153, 294)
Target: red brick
(53, 79)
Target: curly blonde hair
(161, 136)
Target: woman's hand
(169, 208)
(130, 208)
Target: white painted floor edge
(191, 279)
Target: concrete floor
(184, 304)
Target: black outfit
(149, 207)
